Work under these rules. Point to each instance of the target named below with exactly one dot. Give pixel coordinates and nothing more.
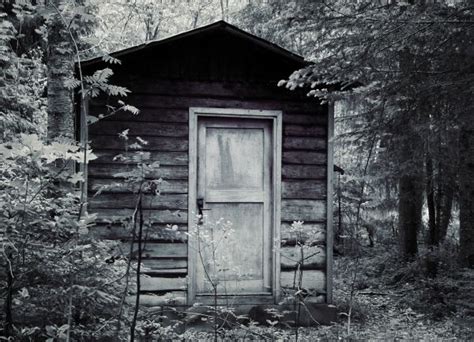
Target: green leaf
(131, 109)
(72, 83)
(76, 178)
(111, 60)
(92, 119)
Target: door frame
(276, 117)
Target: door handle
(200, 206)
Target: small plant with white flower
(305, 240)
(212, 242)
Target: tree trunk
(434, 209)
(446, 205)
(339, 232)
(433, 236)
(445, 194)
(466, 194)
(410, 198)
(224, 9)
(410, 181)
(60, 69)
(409, 210)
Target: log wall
(163, 122)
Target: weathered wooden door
(234, 193)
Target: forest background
(400, 74)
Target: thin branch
(139, 261)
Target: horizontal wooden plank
(156, 265)
(163, 250)
(313, 257)
(301, 189)
(156, 129)
(314, 116)
(152, 284)
(304, 157)
(163, 144)
(268, 90)
(291, 143)
(173, 298)
(312, 280)
(145, 115)
(165, 272)
(295, 171)
(123, 200)
(164, 158)
(318, 118)
(116, 185)
(112, 142)
(166, 172)
(236, 301)
(154, 232)
(172, 101)
(304, 131)
(150, 216)
(304, 210)
(314, 233)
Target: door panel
(234, 158)
(234, 182)
(238, 260)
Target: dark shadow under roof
(217, 26)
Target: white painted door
(234, 191)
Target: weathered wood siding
(163, 122)
(163, 91)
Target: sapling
(305, 241)
(212, 240)
(136, 180)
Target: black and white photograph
(236, 170)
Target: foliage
(51, 266)
(305, 241)
(366, 194)
(142, 21)
(384, 308)
(22, 83)
(395, 299)
(211, 241)
(272, 21)
(408, 68)
(54, 264)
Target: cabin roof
(219, 26)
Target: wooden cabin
(231, 144)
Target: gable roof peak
(215, 26)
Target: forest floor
(391, 301)
(398, 301)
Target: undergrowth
(393, 301)
(405, 300)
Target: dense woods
(399, 77)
